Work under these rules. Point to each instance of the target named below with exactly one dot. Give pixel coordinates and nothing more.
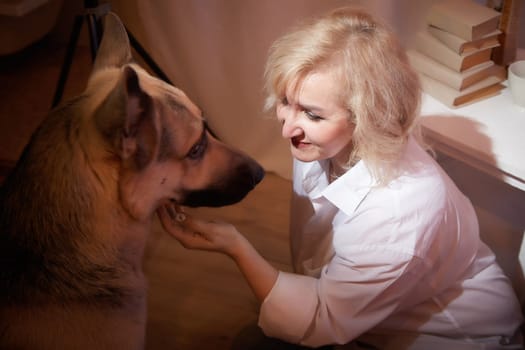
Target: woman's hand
(199, 234)
(224, 238)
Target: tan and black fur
(77, 209)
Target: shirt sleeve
(349, 298)
(287, 310)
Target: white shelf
(488, 134)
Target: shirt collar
(349, 190)
(346, 192)
(315, 178)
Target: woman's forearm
(259, 273)
(224, 238)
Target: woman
(386, 249)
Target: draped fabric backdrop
(215, 50)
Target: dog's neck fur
(63, 216)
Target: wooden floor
(197, 300)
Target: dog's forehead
(100, 85)
(160, 89)
(183, 131)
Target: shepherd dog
(78, 206)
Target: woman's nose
(290, 125)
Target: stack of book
(453, 53)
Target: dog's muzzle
(228, 190)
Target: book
(453, 98)
(462, 46)
(456, 80)
(465, 18)
(432, 47)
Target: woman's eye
(284, 101)
(312, 116)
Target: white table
(488, 135)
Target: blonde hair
(380, 89)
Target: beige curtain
(215, 50)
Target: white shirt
(405, 257)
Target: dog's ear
(114, 49)
(140, 135)
(126, 119)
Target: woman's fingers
(167, 216)
(175, 212)
(198, 234)
(172, 221)
(182, 227)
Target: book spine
(475, 59)
(467, 19)
(462, 46)
(489, 86)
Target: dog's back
(61, 287)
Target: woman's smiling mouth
(298, 142)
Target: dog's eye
(198, 149)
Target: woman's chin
(303, 155)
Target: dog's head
(157, 137)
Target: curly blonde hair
(380, 89)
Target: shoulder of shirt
(421, 182)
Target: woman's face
(315, 120)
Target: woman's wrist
(259, 273)
(238, 247)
